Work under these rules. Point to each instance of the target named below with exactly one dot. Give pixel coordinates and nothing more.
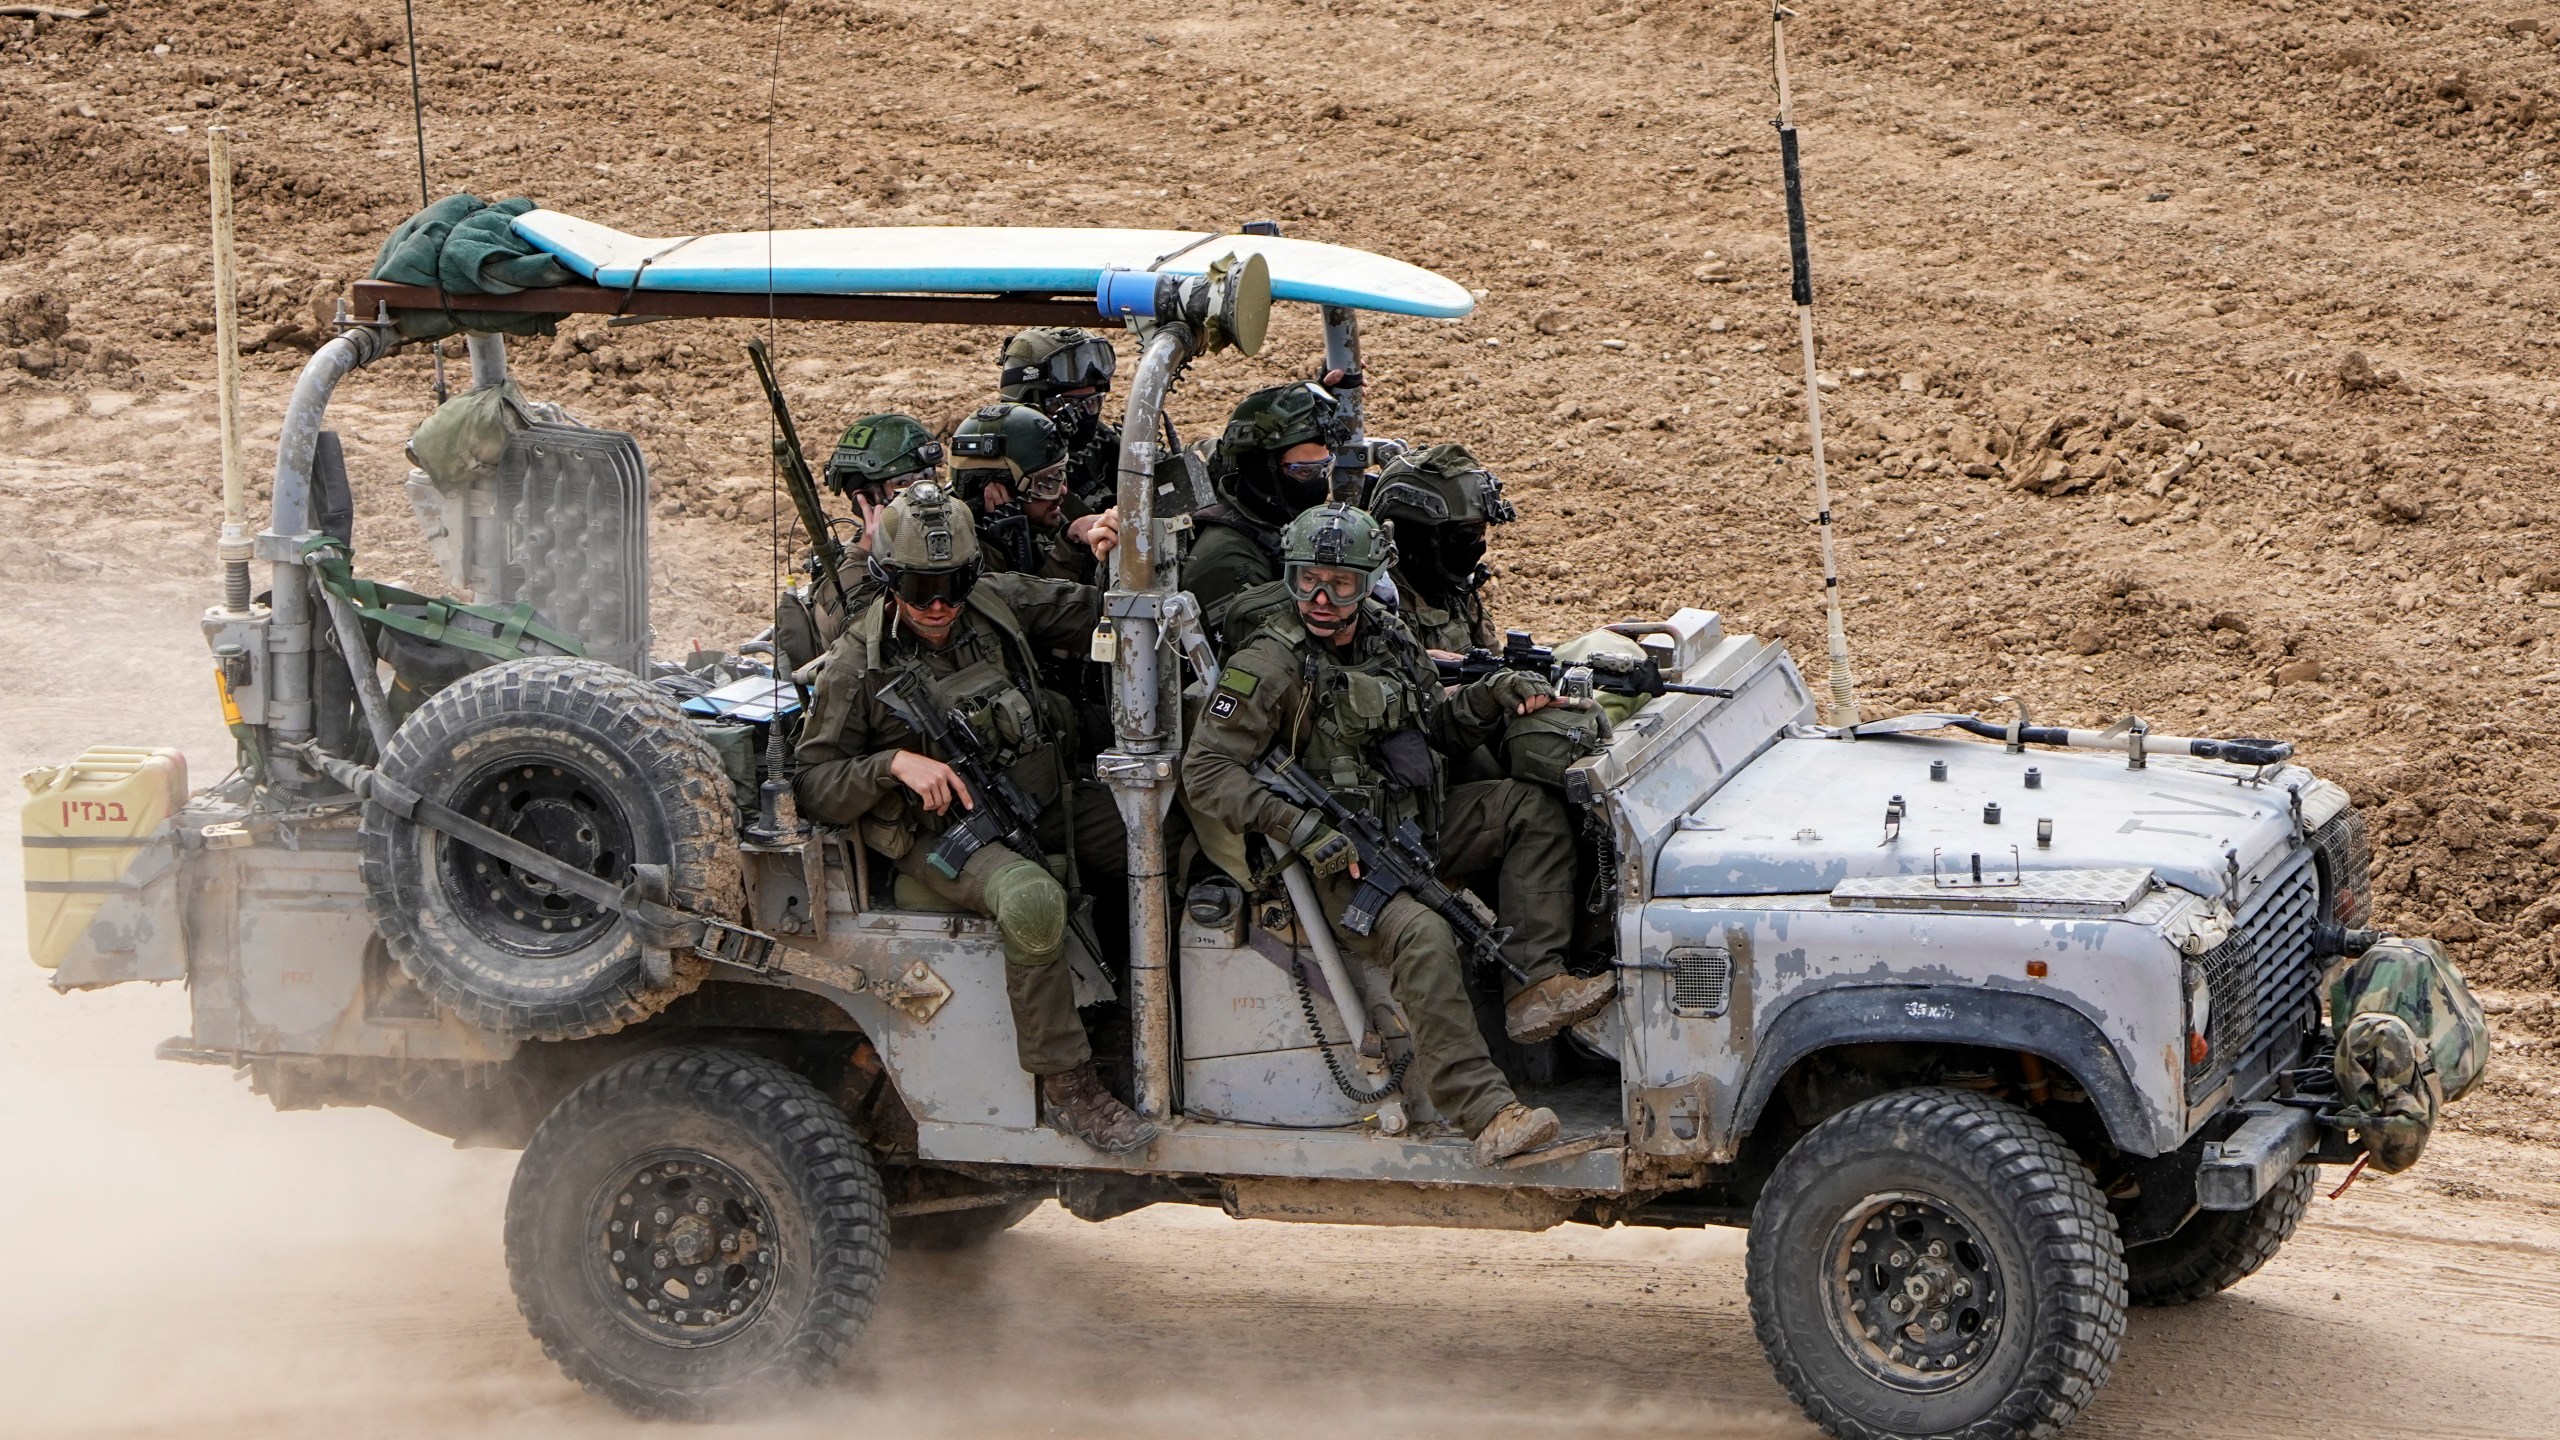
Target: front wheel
(696, 1233)
(1936, 1263)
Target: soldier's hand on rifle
(935, 784)
(1522, 692)
(1098, 533)
(1326, 850)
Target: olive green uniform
(806, 622)
(1332, 706)
(989, 673)
(1231, 553)
(1457, 627)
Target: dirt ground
(2193, 357)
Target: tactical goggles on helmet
(924, 588)
(1085, 363)
(1404, 497)
(1049, 482)
(1343, 586)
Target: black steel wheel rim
(1913, 1293)
(559, 812)
(682, 1248)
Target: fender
(1957, 1015)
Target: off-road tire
(2054, 1293)
(589, 735)
(2217, 1249)
(820, 1214)
(960, 1229)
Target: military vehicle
(1984, 1029)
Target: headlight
(2199, 1016)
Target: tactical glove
(1511, 687)
(1326, 850)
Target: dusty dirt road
(2121, 251)
(191, 1263)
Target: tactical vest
(1360, 705)
(999, 695)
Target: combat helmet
(1016, 441)
(1335, 536)
(1439, 485)
(877, 452)
(1246, 460)
(926, 548)
(1041, 361)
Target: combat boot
(1082, 1106)
(1556, 1004)
(1516, 1129)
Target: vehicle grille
(2347, 853)
(1701, 982)
(2265, 985)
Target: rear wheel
(586, 764)
(695, 1233)
(1936, 1263)
(2217, 1249)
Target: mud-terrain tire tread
(960, 1229)
(838, 1187)
(2070, 1237)
(2217, 1249)
(688, 785)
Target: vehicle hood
(1809, 813)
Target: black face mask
(1078, 419)
(1440, 560)
(1264, 488)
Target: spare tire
(585, 763)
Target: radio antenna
(1844, 699)
(418, 124)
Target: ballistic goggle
(921, 588)
(1085, 363)
(1342, 585)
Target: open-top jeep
(1983, 1035)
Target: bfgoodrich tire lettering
(2217, 1249)
(785, 1254)
(2015, 1241)
(587, 764)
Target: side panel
(2114, 978)
(1246, 1053)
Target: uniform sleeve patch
(1223, 707)
(1237, 682)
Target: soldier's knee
(1416, 938)
(1030, 910)
(1533, 809)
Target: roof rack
(372, 296)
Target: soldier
(1064, 373)
(941, 636)
(875, 458)
(1274, 460)
(1337, 679)
(1437, 503)
(1010, 462)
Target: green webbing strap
(328, 557)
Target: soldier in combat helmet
(1344, 686)
(943, 634)
(1011, 463)
(1065, 372)
(1437, 504)
(875, 458)
(1274, 460)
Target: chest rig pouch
(1367, 742)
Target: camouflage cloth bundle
(2410, 1038)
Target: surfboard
(976, 260)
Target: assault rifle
(827, 552)
(1613, 674)
(1001, 813)
(1392, 862)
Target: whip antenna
(1844, 700)
(418, 123)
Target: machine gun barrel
(1392, 862)
(1615, 674)
(1000, 812)
(797, 479)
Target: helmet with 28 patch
(879, 451)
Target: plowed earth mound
(2192, 359)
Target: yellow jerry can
(99, 857)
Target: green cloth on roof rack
(466, 246)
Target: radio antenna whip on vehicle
(1844, 699)
(236, 549)
(777, 823)
(418, 124)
